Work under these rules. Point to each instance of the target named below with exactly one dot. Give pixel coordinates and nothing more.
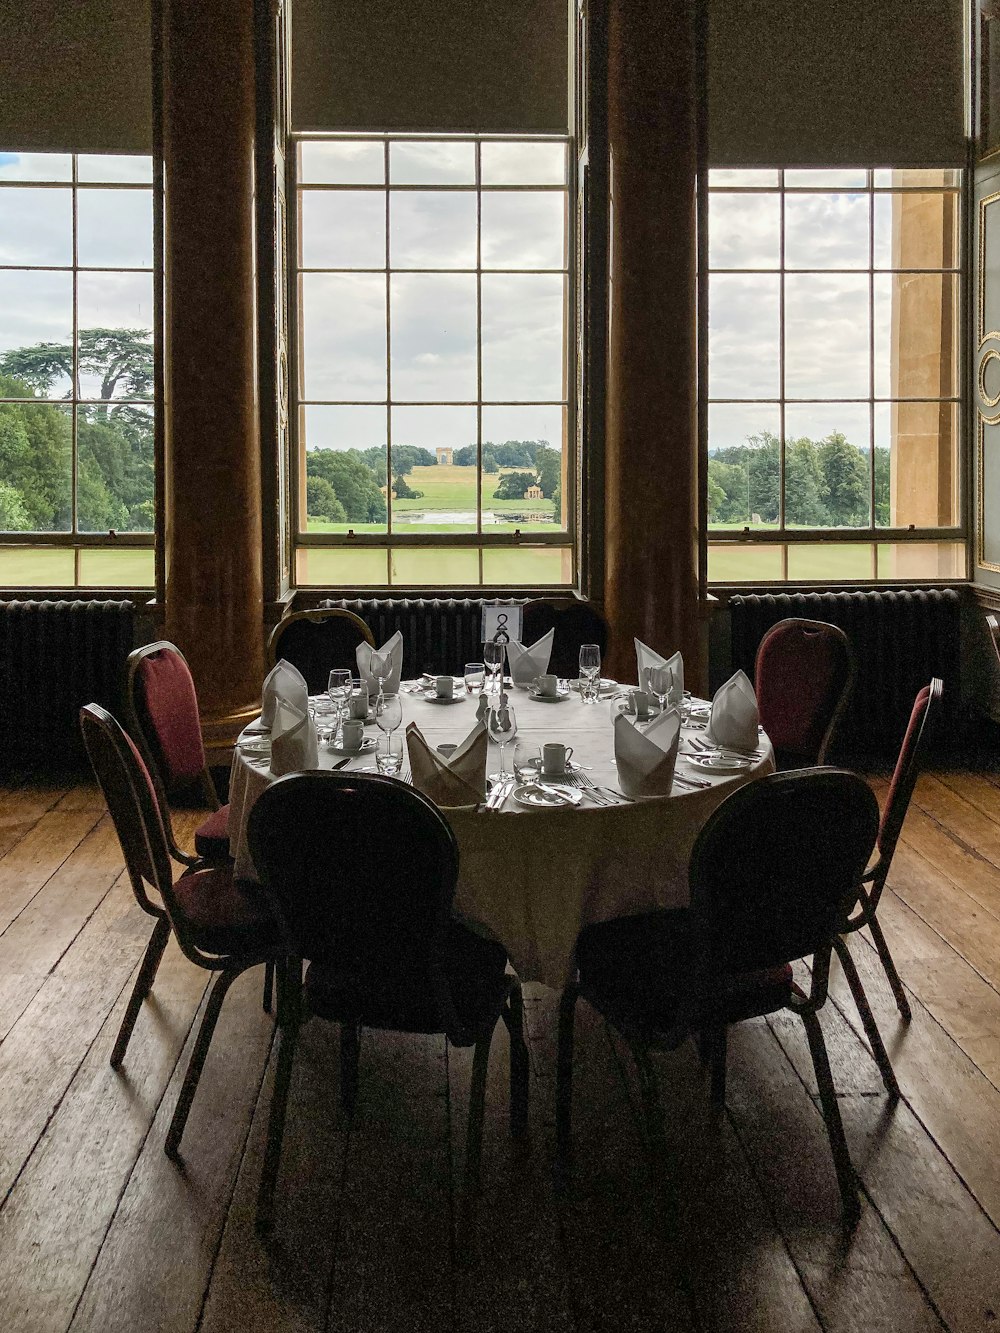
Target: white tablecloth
(534, 881)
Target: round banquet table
(535, 880)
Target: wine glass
(339, 690)
(590, 671)
(379, 667)
(493, 658)
(502, 727)
(660, 681)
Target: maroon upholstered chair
(217, 925)
(771, 875)
(804, 674)
(164, 720)
(864, 911)
(374, 922)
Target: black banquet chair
(575, 622)
(369, 910)
(317, 641)
(771, 875)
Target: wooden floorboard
(736, 1227)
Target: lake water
(467, 517)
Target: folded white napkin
(646, 759)
(390, 656)
(285, 682)
(527, 663)
(293, 741)
(458, 780)
(734, 718)
(645, 658)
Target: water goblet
(493, 658)
(660, 681)
(590, 672)
(502, 727)
(475, 677)
(388, 712)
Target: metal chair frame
(315, 618)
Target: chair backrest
(574, 621)
(132, 802)
(361, 869)
(318, 641)
(907, 770)
(164, 715)
(803, 678)
(776, 866)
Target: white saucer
(720, 763)
(367, 746)
(607, 687)
(255, 746)
(548, 698)
(542, 796)
(443, 698)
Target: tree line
(826, 482)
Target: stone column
(213, 588)
(651, 445)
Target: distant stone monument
(444, 456)
(533, 493)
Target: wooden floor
(99, 1231)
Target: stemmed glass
(502, 727)
(660, 680)
(590, 671)
(339, 689)
(493, 657)
(388, 714)
(379, 667)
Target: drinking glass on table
(475, 677)
(339, 689)
(527, 761)
(390, 760)
(388, 713)
(493, 658)
(502, 727)
(660, 681)
(590, 672)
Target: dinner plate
(608, 687)
(256, 746)
(256, 729)
(720, 763)
(548, 698)
(443, 698)
(367, 746)
(542, 796)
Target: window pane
(343, 336)
(744, 230)
(432, 230)
(833, 562)
(343, 228)
(345, 454)
(823, 178)
(921, 560)
(116, 330)
(115, 228)
(37, 567)
(742, 453)
(523, 164)
(744, 564)
(916, 464)
(433, 337)
(826, 336)
(523, 337)
(36, 167)
(410, 566)
(342, 163)
(921, 178)
(916, 230)
(530, 441)
(36, 226)
(827, 461)
(826, 231)
(341, 567)
(126, 568)
(36, 308)
(527, 566)
(524, 229)
(743, 336)
(432, 163)
(434, 456)
(114, 478)
(114, 167)
(36, 467)
(721, 176)
(916, 322)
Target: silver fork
(590, 787)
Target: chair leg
(513, 1017)
(268, 985)
(899, 994)
(875, 1041)
(477, 1108)
(288, 1034)
(713, 1044)
(564, 1083)
(350, 1055)
(831, 1117)
(143, 985)
(195, 1065)
(649, 1091)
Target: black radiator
(439, 633)
(900, 640)
(54, 658)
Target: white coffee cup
(555, 757)
(547, 686)
(444, 687)
(354, 734)
(357, 705)
(640, 702)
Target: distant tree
(465, 456)
(405, 457)
(514, 484)
(845, 478)
(727, 490)
(883, 491)
(36, 452)
(122, 358)
(762, 459)
(491, 464)
(403, 491)
(549, 464)
(322, 502)
(14, 517)
(804, 485)
(353, 483)
(557, 504)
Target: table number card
(502, 616)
